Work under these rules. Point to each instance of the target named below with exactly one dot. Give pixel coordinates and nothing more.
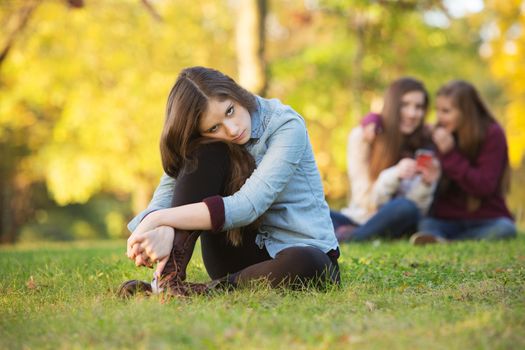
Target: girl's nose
(231, 128)
(413, 112)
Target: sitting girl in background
(472, 148)
(389, 188)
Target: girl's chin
(448, 128)
(407, 130)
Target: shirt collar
(257, 129)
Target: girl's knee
(304, 258)
(306, 265)
(212, 150)
(405, 208)
(504, 229)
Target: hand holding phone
(424, 158)
(428, 166)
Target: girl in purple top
(469, 203)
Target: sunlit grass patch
(465, 295)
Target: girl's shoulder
(494, 128)
(494, 134)
(275, 119)
(274, 113)
(372, 118)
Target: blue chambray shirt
(285, 188)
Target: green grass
(462, 296)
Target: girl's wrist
(160, 218)
(154, 219)
(426, 181)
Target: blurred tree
(16, 15)
(83, 93)
(15, 199)
(503, 33)
(250, 37)
(14, 20)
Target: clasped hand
(443, 139)
(147, 246)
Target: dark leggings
(247, 262)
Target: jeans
(498, 228)
(397, 217)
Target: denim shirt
(285, 188)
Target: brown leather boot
(133, 287)
(172, 278)
(181, 253)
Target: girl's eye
(213, 129)
(229, 111)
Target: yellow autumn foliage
(507, 63)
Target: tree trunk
(15, 23)
(250, 36)
(358, 27)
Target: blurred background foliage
(83, 86)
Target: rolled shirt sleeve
(161, 200)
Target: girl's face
(412, 111)
(227, 121)
(448, 115)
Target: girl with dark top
(240, 173)
(472, 148)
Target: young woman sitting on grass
(240, 173)
(389, 187)
(472, 148)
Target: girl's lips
(240, 136)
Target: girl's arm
(484, 176)
(389, 180)
(357, 160)
(385, 186)
(286, 146)
(194, 216)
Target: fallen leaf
(230, 333)
(370, 305)
(31, 283)
(350, 339)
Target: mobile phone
(424, 157)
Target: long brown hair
(475, 116)
(187, 101)
(472, 128)
(391, 144)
